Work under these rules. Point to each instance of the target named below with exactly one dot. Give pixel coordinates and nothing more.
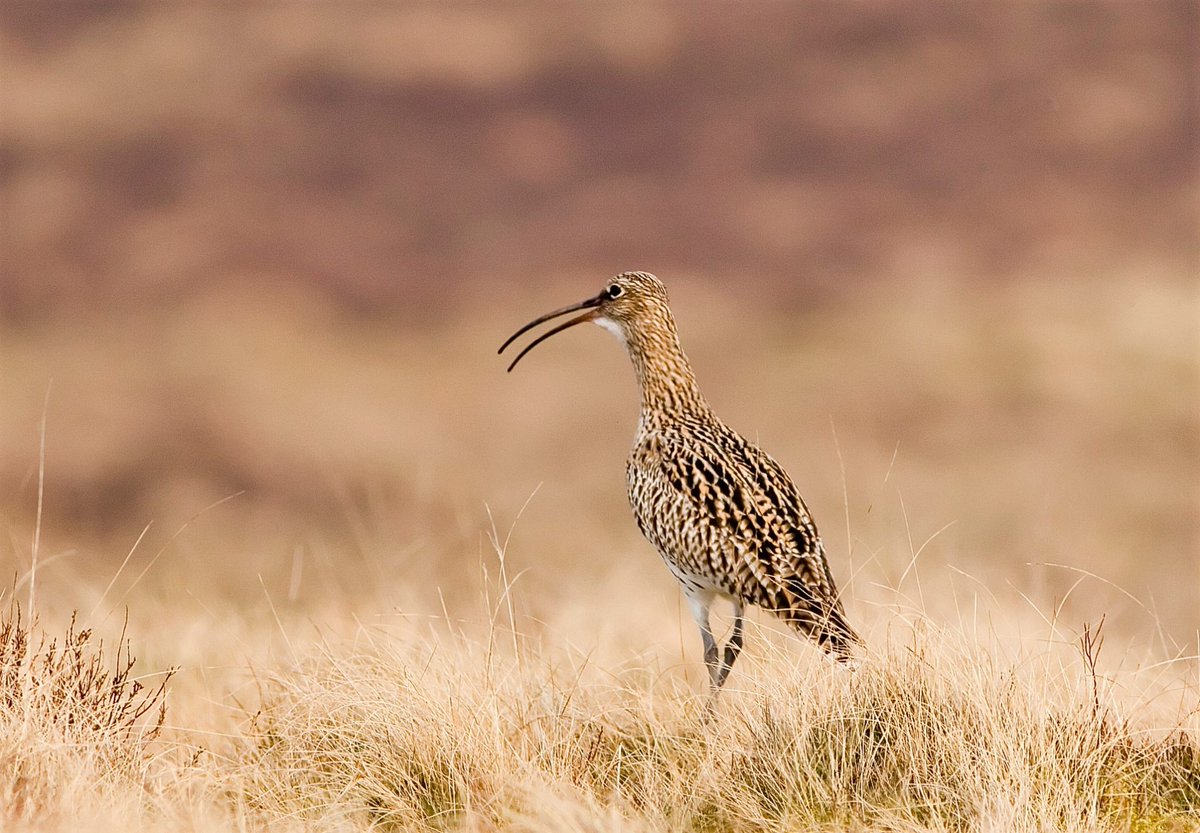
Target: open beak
(590, 305)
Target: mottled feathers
(725, 517)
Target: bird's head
(628, 301)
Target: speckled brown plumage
(724, 516)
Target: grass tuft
(73, 714)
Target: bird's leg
(699, 605)
(734, 646)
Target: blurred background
(940, 259)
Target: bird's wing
(728, 501)
(810, 599)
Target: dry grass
(945, 737)
(490, 723)
(75, 722)
(363, 644)
(399, 658)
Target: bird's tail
(825, 623)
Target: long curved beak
(590, 304)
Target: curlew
(724, 516)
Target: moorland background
(942, 260)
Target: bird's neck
(664, 373)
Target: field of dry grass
(486, 643)
(498, 721)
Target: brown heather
(70, 712)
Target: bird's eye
(615, 291)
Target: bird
(724, 516)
